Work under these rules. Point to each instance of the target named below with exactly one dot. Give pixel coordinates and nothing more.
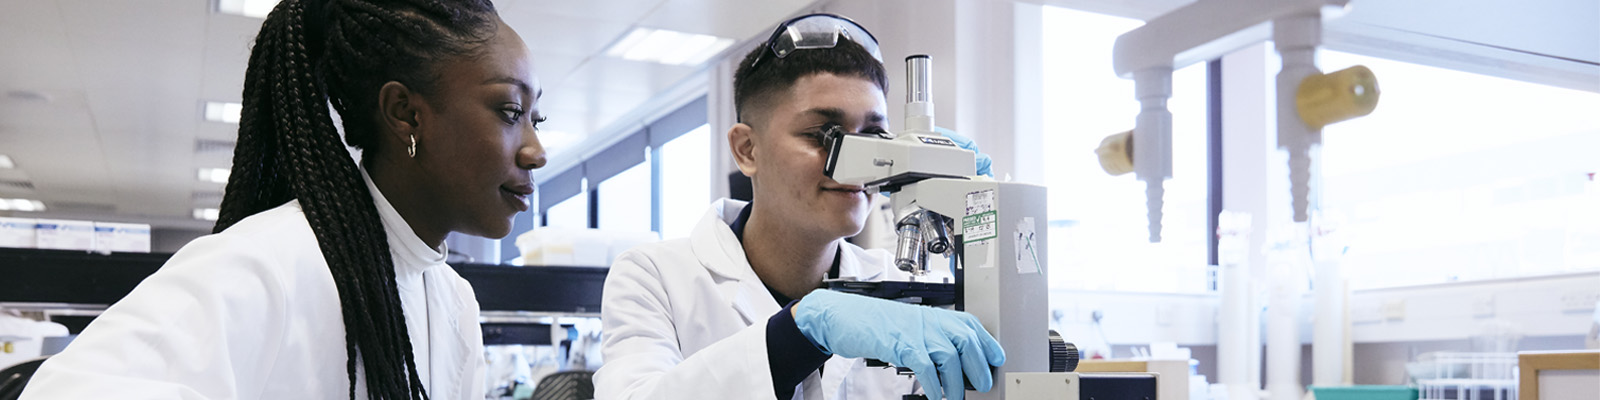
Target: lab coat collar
(720, 247)
(731, 262)
(410, 253)
(724, 256)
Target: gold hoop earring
(412, 150)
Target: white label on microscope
(979, 223)
(980, 201)
(1026, 247)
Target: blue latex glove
(967, 143)
(936, 344)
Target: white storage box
(64, 235)
(17, 232)
(562, 247)
(577, 247)
(121, 238)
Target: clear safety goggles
(816, 31)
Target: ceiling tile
(566, 36)
(227, 45)
(66, 112)
(64, 163)
(553, 68)
(624, 75)
(128, 43)
(33, 39)
(146, 114)
(735, 19)
(621, 11)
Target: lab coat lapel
(753, 303)
(450, 346)
(723, 255)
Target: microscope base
(1074, 386)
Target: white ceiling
(124, 82)
(114, 137)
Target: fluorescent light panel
(213, 175)
(6, 163)
(248, 8)
(208, 214)
(628, 42)
(223, 112)
(668, 47)
(24, 205)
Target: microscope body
(995, 231)
(1000, 271)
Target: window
(1098, 225)
(654, 179)
(624, 200)
(1459, 176)
(570, 213)
(686, 182)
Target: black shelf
(538, 289)
(76, 277)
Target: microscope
(992, 233)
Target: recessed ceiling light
(668, 47)
(206, 198)
(208, 146)
(248, 8)
(28, 96)
(214, 175)
(209, 214)
(25, 205)
(224, 112)
(6, 163)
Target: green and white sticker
(978, 227)
(979, 223)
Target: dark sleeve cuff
(790, 355)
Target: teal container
(1364, 392)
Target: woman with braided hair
(325, 279)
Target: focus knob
(1063, 355)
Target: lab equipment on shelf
(1465, 375)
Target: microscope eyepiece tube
(919, 78)
(919, 94)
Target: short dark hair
(755, 88)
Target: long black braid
(310, 53)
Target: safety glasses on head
(815, 31)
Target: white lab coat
(252, 313)
(687, 319)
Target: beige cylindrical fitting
(1116, 153)
(1328, 98)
